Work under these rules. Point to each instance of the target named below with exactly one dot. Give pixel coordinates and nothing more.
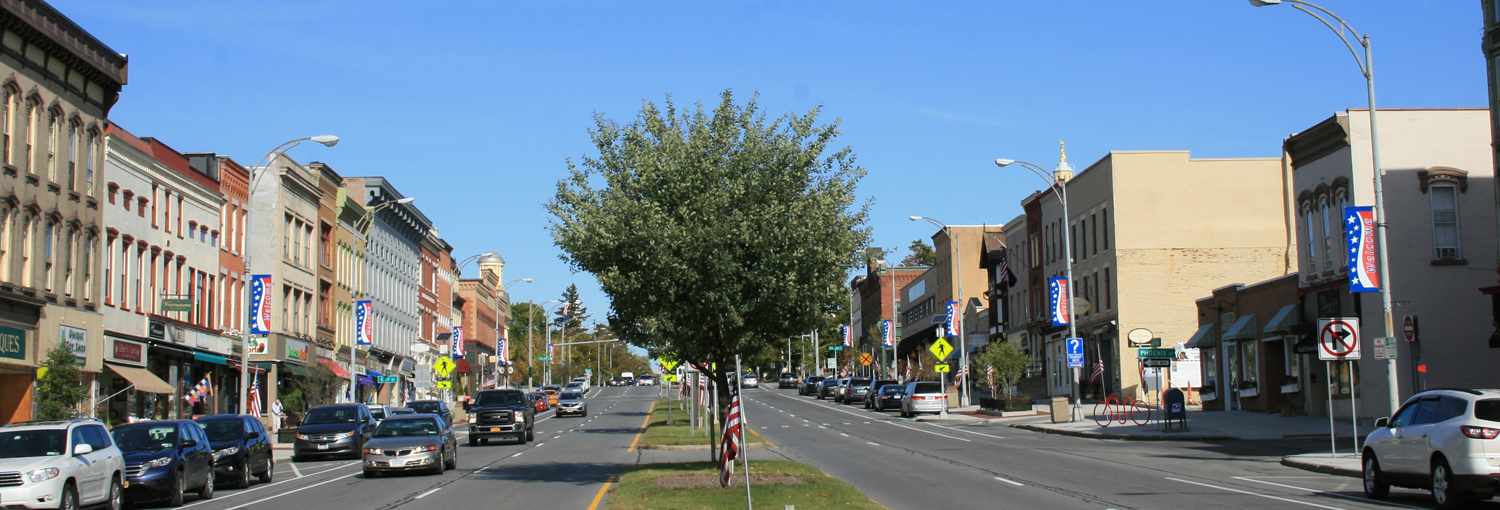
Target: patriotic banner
(364, 327)
(888, 333)
(260, 304)
(1364, 262)
(848, 335)
(1061, 301)
(203, 389)
(730, 446)
(954, 319)
(458, 341)
(254, 396)
(549, 351)
(504, 349)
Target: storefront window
(1249, 367)
(1344, 379)
(1232, 354)
(1210, 366)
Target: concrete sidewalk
(1201, 425)
(1343, 464)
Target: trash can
(1060, 411)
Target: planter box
(1291, 388)
(1000, 404)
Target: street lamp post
(1058, 181)
(327, 141)
(963, 351)
(503, 289)
(1366, 68)
(531, 346)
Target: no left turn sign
(1338, 339)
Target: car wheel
(440, 464)
(453, 464)
(179, 485)
(1375, 484)
(244, 479)
(69, 498)
(531, 434)
(1443, 491)
(207, 491)
(372, 474)
(265, 476)
(473, 441)
(116, 494)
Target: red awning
(462, 366)
(337, 370)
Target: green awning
(1283, 321)
(294, 369)
(1203, 338)
(1243, 329)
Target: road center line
(293, 491)
(1268, 496)
(425, 494)
(1012, 482)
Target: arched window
(72, 156)
(1312, 247)
(7, 118)
(1327, 233)
(54, 139)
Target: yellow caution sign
(942, 368)
(941, 348)
(443, 367)
(445, 385)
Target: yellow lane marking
(600, 496)
(645, 422)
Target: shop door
(1232, 363)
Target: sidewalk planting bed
(695, 485)
(660, 433)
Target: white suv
(583, 381)
(1441, 440)
(60, 464)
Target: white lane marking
(425, 494)
(295, 470)
(843, 434)
(266, 486)
(955, 429)
(481, 469)
(293, 491)
(1012, 482)
(517, 454)
(928, 432)
(1315, 491)
(785, 426)
(876, 444)
(539, 444)
(1268, 496)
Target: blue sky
(473, 107)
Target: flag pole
(744, 430)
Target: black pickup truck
(501, 414)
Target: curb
(1320, 468)
(951, 420)
(1127, 437)
(753, 446)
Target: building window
(1312, 248)
(5, 118)
(54, 132)
(109, 265)
(1104, 215)
(49, 254)
(1094, 232)
(28, 249)
(1445, 222)
(1107, 299)
(72, 156)
(33, 121)
(1073, 245)
(88, 161)
(1327, 237)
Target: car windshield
(1487, 409)
(33, 443)
(145, 438)
(551, 387)
(378, 412)
(492, 398)
(892, 390)
(426, 407)
(830, 382)
(324, 415)
(223, 430)
(572, 396)
(408, 427)
(815, 378)
(928, 387)
(401, 410)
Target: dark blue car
(165, 459)
(241, 448)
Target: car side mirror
(82, 449)
(252, 435)
(189, 443)
(1382, 422)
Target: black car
(874, 393)
(810, 386)
(241, 448)
(788, 380)
(338, 429)
(502, 414)
(165, 459)
(889, 396)
(618, 381)
(437, 407)
(828, 388)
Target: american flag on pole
(702, 390)
(731, 443)
(908, 370)
(1098, 371)
(254, 396)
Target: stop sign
(1409, 326)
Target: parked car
(1444, 441)
(415, 442)
(618, 381)
(502, 414)
(379, 411)
(751, 381)
(51, 454)
(242, 448)
(828, 388)
(338, 429)
(842, 389)
(398, 411)
(855, 390)
(165, 459)
(787, 380)
(811, 385)
(646, 380)
(572, 402)
(538, 400)
(923, 397)
(572, 387)
(890, 397)
(874, 393)
(437, 407)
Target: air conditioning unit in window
(1447, 253)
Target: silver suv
(60, 464)
(1441, 440)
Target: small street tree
(714, 233)
(60, 391)
(1009, 362)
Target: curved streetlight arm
(1338, 30)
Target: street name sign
(544, 358)
(1338, 339)
(387, 379)
(1157, 354)
(177, 305)
(1075, 353)
(941, 348)
(835, 347)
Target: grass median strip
(661, 433)
(682, 485)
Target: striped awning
(1243, 329)
(1203, 338)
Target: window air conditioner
(1447, 253)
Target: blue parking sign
(1075, 353)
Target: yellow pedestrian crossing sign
(668, 366)
(941, 348)
(669, 378)
(942, 368)
(443, 367)
(445, 385)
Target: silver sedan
(416, 442)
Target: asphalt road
(905, 464)
(566, 467)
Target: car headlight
(342, 435)
(303, 437)
(156, 463)
(421, 449)
(372, 451)
(226, 452)
(520, 417)
(42, 475)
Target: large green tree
(714, 233)
(60, 390)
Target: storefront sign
(296, 350)
(75, 340)
(259, 345)
(13, 343)
(156, 330)
(176, 305)
(126, 352)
